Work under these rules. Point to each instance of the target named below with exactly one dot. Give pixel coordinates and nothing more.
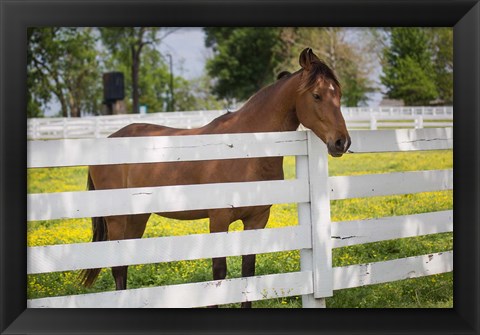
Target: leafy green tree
(38, 93)
(442, 48)
(62, 62)
(195, 94)
(154, 82)
(408, 67)
(248, 58)
(133, 51)
(244, 59)
(356, 85)
(348, 57)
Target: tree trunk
(136, 49)
(63, 105)
(135, 69)
(73, 105)
(332, 49)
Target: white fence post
(419, 122)
(65, 127)
(97, 127)
(304, 219)
(320, 216)
(373, 122)
(35, 129)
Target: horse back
(181, 173)
(148, 129)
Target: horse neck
(272, 108)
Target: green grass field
(432, 291)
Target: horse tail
(100, 233)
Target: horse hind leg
(256, 221)
(120, 228)
(220, 219)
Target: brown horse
(310, 96)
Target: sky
(189, 54)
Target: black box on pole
(113, 87)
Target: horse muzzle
(337, 147)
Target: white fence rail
(315, 235)
(356, 118)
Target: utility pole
(172, 98)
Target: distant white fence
(356, 118)
(376, 121)
(402, 110)
(315, 235)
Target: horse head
(318, 103)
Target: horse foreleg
(120, 276)
(248, 270)
(257, 221)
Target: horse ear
(283, 74)
(307, 58)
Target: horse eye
(316, 96)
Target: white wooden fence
(356, 118)
(315, 235)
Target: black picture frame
(16, 16)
